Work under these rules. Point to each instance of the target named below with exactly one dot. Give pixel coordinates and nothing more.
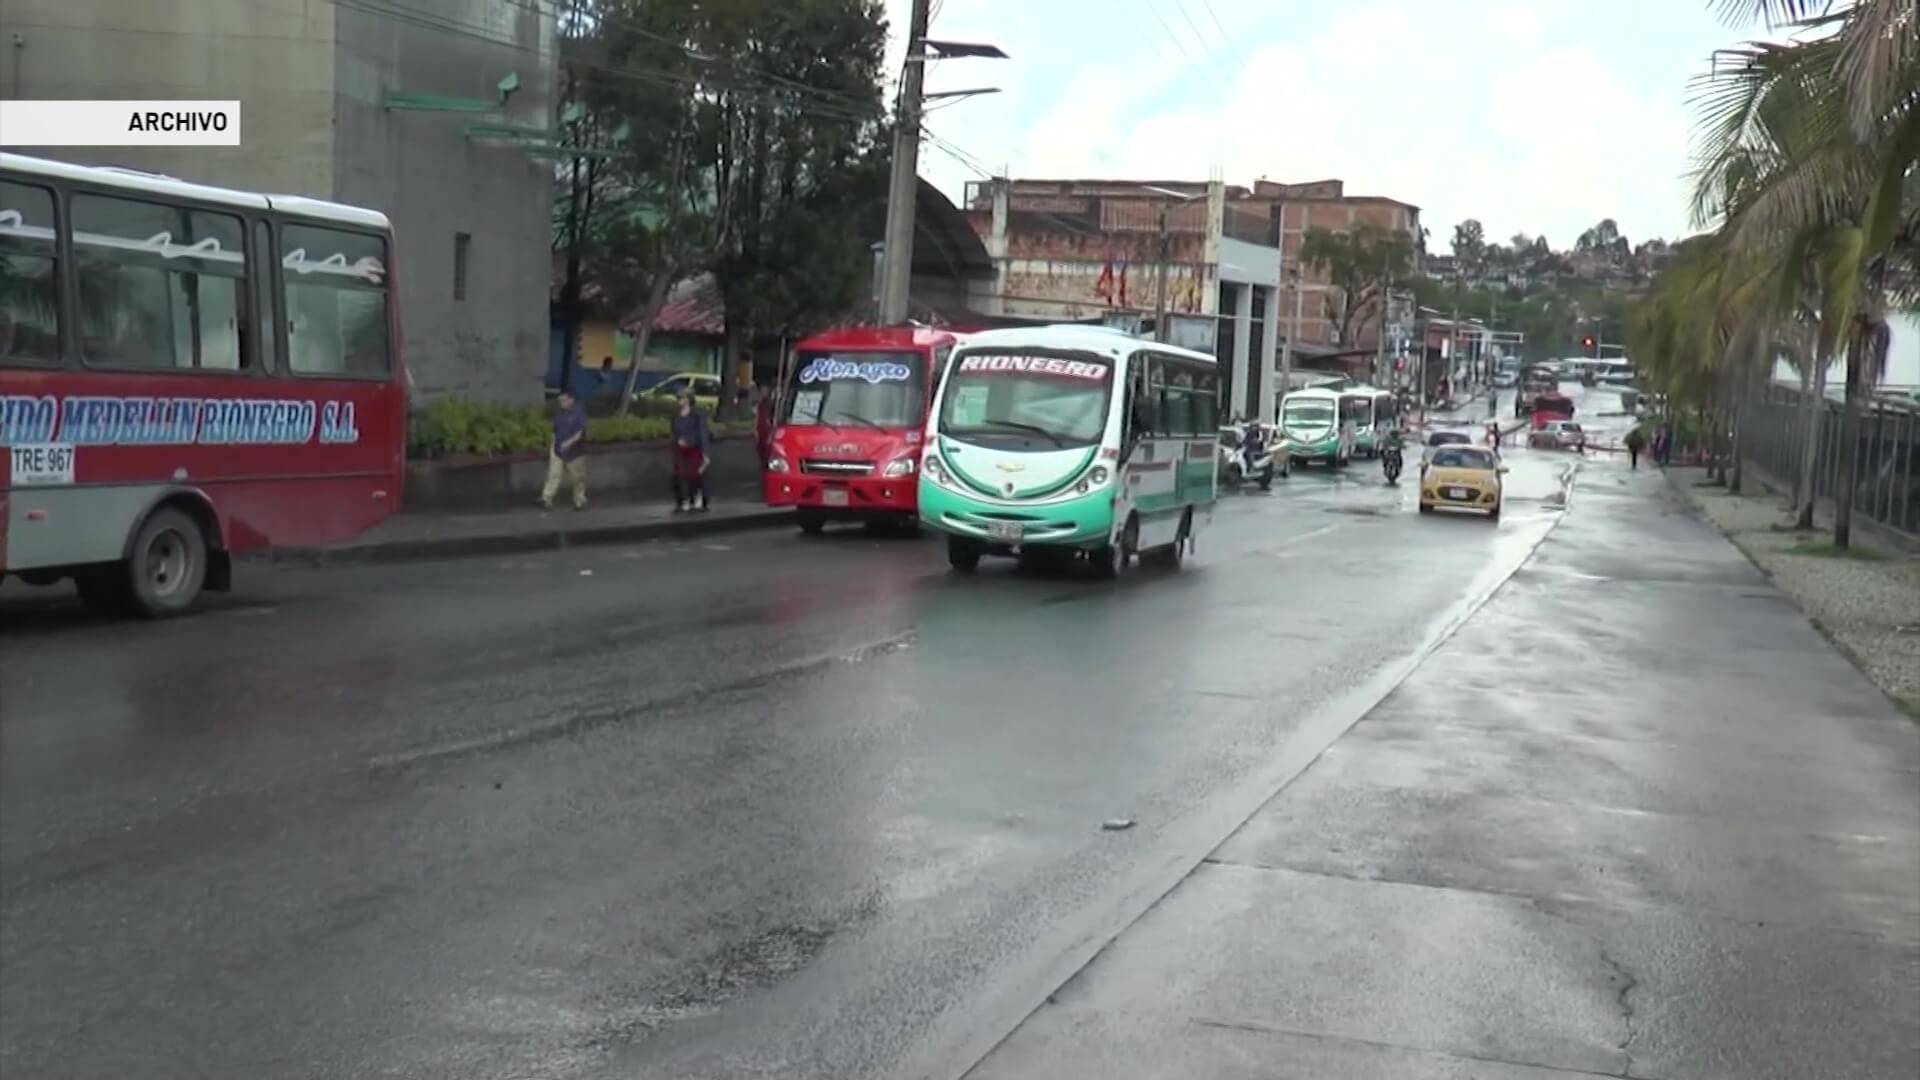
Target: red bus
(187, 373)
(846, 444)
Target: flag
(1103, 288)
(1124, 262)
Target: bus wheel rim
(168, 562)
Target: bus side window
(30, 306)
(169, 282)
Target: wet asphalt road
(761, 806)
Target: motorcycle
(1251, 462)
(1390, 462)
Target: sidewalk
(491, 532)
(1636, 819)
(1869, 604)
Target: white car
(1558, 435)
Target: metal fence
(1888, 473)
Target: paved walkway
(527, 528)
(1869, 603)
(1636, 819)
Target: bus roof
(1096, 339)
(1317, 393)
(858, 338)
(134, 182)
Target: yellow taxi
(1462, 478)
(702, 387)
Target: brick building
(1324, 204)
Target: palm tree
(1820, 139)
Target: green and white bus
(1071, 440)
(1311, 422)
(1369, 411)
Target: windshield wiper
(1035, 428)
(859, 420)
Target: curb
(455, 547)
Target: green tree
(1358, 263)
(1470, 244)
(1809, 151)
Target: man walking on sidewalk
(689, 458)
(564, 456)
(1635, 441)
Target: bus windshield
(868, 389)
(1060, 400)
(1309, 413)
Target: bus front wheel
(168, 564)
(1110, 560)
(963, 554)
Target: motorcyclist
(1392, 446)
(1253, 440)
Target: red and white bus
(846, 444)
(187, 373)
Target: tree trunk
(1814, 401)
(657, 294)
(1849, 443)
(730, 366)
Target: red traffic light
(1586, 343)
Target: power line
(765, 94)
(1205, 72)
(1225, 38)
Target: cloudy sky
(1536, 116)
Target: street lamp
(1166, 252)
(897, 255)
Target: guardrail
(1888, 474)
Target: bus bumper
(1079, 523)
(847, 498)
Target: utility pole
(1386, 304)
(1160, 300)
(1286, 343)
(904, 183)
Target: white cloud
(1540, 117)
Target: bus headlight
(776, 463)
(899, 467)
(932, 468)
(1094, 478)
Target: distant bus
(187, 373)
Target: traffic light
(1586, 343)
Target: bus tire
(1110, 560)
(963, 554)
(1172, 555)
(168, 564)
(811, 524)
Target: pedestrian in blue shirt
(564, 456)
(690, 437)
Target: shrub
(451, 426)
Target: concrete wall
(274, 56)
(311, 78)
(423, 172)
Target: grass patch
(1832, 551)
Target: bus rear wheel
(168, 564)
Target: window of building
(462, 245)
(159, 286)
(335, 287)
(29, 278)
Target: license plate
(834, 497)
(41, 463)
(1459, 493)
(1007, 531)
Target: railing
(1888, 471)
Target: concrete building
(341, 103)
(1078, 249)
(1324, 204)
